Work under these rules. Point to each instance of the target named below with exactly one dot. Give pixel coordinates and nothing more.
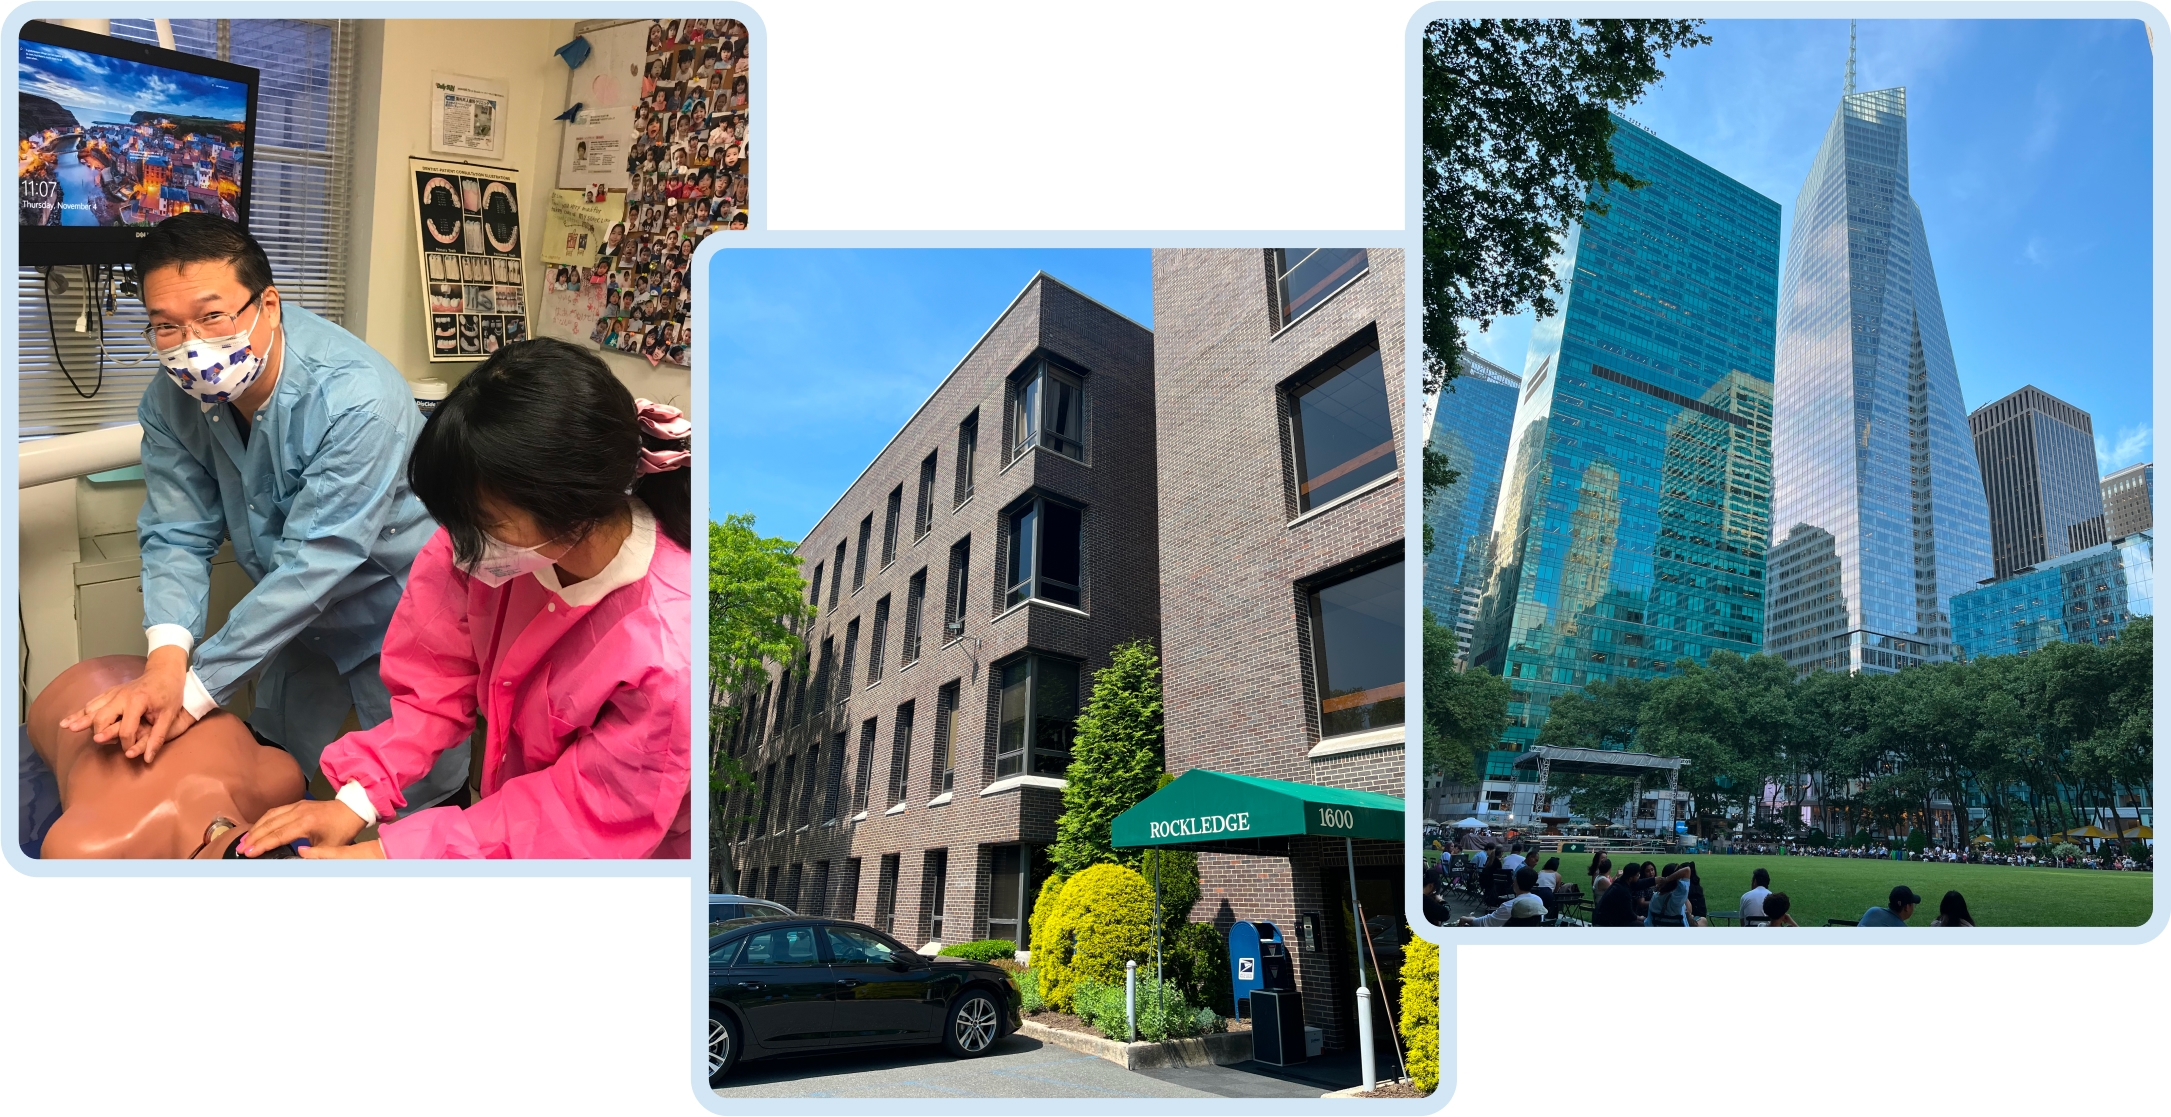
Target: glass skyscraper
(2038, 457)
(1878, 514)
(1634, 518)
(1470, 426)
(2083, 596)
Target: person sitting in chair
(1524, 910)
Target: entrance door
(1379, 890)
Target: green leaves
(1115, 761)
(1464, 710)
(1518, 130)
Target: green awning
(1201, 807)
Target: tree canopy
(1115, 760)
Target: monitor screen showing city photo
(108, 142)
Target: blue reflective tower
(1878, 514)
(1634, 517)
(1470, 426)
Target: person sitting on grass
(1526, 909)
(1896, 911)
(1776, 906)
(1752, 901)
(1952, 912)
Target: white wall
(396, 59)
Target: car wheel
(723, 1044)
(975, 1024)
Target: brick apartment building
(1279, 377)
(967, 586)
(1229, 486)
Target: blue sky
(2029, 152)
(817, 356)
(98, 88)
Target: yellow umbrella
(2029, 840)
(2085, 832)
(2140, 832)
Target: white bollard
(1130, 997)
(1364, 1038)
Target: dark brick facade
(1236, 560)
(1114, 483)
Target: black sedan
(797, 985)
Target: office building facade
(968, 584)
(1632, 524)
(1470, 426)
(1878, 513)
(2038, 459)
(1280, 382)
(2129, 500)
(2081, 597)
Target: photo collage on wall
(469, 220)
(687, 172)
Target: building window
(814, 587)
(915, 598)
(851, 657)
(968, 449)
(799, 693)
(783, 697)
(1015, 876)
(767, 791)
(900, 754)
(836, 575)
(848, 890)
(953, 605)
(1046, 559)
(817, 898)
(833, 779)
(784, 798)
(864, 774)
(946, 718)
(809, 785)
(885, 894)
(936, 889)
(889, 524)
(859, 559)
(878, 642)
(1357, 651)
(823, 674)
(1039, 713)
(1304, 277)
(1339, 432)
(1048, 411)
(923, 517)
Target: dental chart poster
(467, 217)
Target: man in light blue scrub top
(277, 429)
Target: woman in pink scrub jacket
(553, 605)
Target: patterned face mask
(214, 370)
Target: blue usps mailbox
(1258, 959)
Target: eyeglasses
(218, 323)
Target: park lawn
(1824, 888)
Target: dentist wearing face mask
(281, 431)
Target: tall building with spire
(1878, 515)
(1633, 517)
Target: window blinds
(299, 196)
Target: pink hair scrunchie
(661, 420)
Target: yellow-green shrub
(1421, 1012)
(1102, 919)
(1043, 907)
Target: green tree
(1603, 715)
(1464, 710)
(757, 607)
(1116, 760)
(1518, 133)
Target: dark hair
(197, 238)
(1760, 879)
(1526, 878)
(1552, 864)
(1776, 905)
(545, 427)
(1952, 910)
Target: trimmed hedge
(1198, 963)
(982, 950)
(1102, 919)
(1043, 907)
(1421, 1012)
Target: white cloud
(2134, 444)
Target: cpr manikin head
(112, 806)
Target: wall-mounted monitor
(118, 136)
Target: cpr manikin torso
(112, 806)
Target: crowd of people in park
(2136, 858)
(1516, 890)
